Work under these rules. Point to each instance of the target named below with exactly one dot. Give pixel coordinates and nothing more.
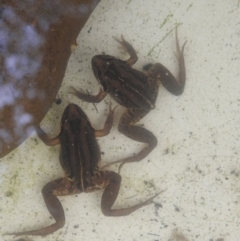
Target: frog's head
(73, 112)
(100, 66)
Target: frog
(135, 90)
(80, 158)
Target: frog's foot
(181, 62)
(110, 164)
(150, 200)
(160, 72)
(179, 53)
(87, 97)
(110, 195)
(40, 232)
(129, 48)
(136, 158)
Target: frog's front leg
(87, 97)
(44, 137)
(55, 188)
(129, 48)
(110, 194)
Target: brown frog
(134, 90)
(80, 158)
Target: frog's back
(130, 87)
(127, 86)
(80, 151)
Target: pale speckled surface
(197, 157)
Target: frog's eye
(96, 71)
(147, 67)
(104, 86)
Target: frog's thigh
(137, 133)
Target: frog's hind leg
(50, 191)
(113, 181)
(128, 128)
